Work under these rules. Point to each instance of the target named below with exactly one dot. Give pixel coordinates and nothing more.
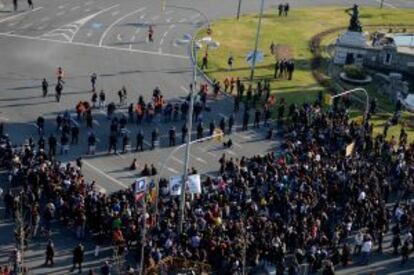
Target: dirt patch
(283, 52)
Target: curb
(199, 71)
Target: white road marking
(27, 25)
(120, 155)
(155, 17)
(184, 89)
(177, 160)
(115, 13)
(162, 38)
(231, 152)
(93, 46)
(95, 122)
(89, 34)
(60, 13)
(74, 8)
(194, 16)
(182, 20)
(147, 143)
(118, 37)
(20, 14)
(169, 12)
(116, 22)
(61, 7)
(88, 10)
(242, 136)
(105, 174)
(77, 25)
(171, 170)
(44, 19)
(132, 40)
(168, 20)
(198, 159)
(137, 30)
(142, 16)
(171, 26)
(4, 118)
(236, 144)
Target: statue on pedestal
(354, 24)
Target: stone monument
(350, 47)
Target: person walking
(140, 141)
(150, 34)
(58, 90)
(257, 115)
(245, 120)
(231, 123)
(230, 61)
(154, 138)
(277, 65)
(15, 5)
(75, 134)
(184, 132)
(366, 250)
(286, 8)
(290, 69)
(78, 255)
(30, 3)
(40, 125)
(405, 252)
(204, 64)
(200, 130)
(280, 8)
(93, 81)
(50, 253)
(102, 98)
(212, 127)
(113, 141)
(52, 145)
(125, 144)
(45, 87)
(91, 144)
(172, 136)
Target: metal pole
(353, 91)
(259, 24)
(238, 9)
(187, 152)
(21, 233)
(381, 4)
(144, 231)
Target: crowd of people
(300, 204)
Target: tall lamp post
(194, 46)
(259, 25)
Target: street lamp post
(259, 24)
(238, 9)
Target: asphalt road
(109, 37)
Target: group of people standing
(284, 69)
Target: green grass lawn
(236, 38)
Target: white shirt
(367, 246)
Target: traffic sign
(250, 57)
